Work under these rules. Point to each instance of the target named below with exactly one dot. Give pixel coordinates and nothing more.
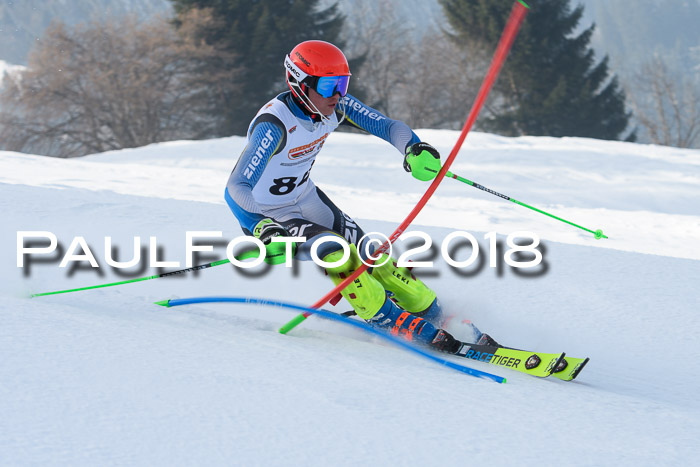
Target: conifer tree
(551, 84)
(260, 33)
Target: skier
(271, 193)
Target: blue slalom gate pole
(335, 317)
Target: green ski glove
(423, 161)
(265, 231)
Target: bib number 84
(285, 185)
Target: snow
(6, 67)
(9, 70)
(105, 377)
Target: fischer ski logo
(259, 155)
(361, 109)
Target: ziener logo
(361, 109)
(259, 155)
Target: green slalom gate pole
(245, 255)
(598, 233)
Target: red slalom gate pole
(517, 15)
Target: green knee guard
(365, 294)
(410, 293)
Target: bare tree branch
(117, 84)
(667, 107)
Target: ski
(538, 364)
(532, 363)
(566, 369)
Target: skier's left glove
(268, 228)
(265, 231)
(423, 161)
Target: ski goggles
(327, 86)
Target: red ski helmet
(318, 65)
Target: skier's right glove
(276, 252)
(423, 161)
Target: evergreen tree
(550, 84)
(261, 33)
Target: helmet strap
(298, 91)
(342, 102)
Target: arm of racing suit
(267, 138)
(372, 121)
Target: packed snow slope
(105, 377)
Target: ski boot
(444, 342)
(485, 339)
(468, 332)
(413, 328)
(372, 303)
(409, 292)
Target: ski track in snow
(105, 377)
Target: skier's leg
(369, 300)
(365, 294)
(314, 215)
(409, 292)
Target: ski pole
(515, 19)
(245, 255)
(598, 233)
